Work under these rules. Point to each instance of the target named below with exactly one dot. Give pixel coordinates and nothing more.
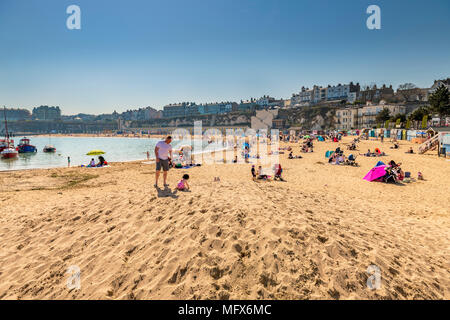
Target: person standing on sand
(162, 151)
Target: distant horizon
(134, 54)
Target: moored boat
(7, 150)
(25, 146)
(3, 144)
(49, 149)
(9, 153)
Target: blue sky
(137, 53)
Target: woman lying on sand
(352, 146)
(377, 153)
(291, 156)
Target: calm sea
(117, 150)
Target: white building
(338, 92)
(265, 101)
(367, 115)
(438, 83)
(343, 92)
(352, 97)
(319, 94)
(304, 97)
(347, 119)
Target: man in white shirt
(163, 150)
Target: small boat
(25, 146)
(4, 144)
(9, 153)
(7, 150)
(49, 149)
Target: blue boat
(25, 146)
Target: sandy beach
(312, 237)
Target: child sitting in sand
(183, 185)
(92, 163)
(253, 172)
(291, 156)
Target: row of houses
(320, 94)
(354, 93)
(192, 109)
(353, 117)
(350, 93)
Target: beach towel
(83, 166)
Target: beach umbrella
(95, 153)
(375, 173)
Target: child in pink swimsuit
(183, 184)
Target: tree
(383, 116)
(424, 121)
(407, 86)
(399, 118)
(418, 114)
(408, 124)
(440, 101)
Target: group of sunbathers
(338, 157)
(260, 175)
(101, 163)
(377, 153)
(393, 173)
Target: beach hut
(445, 146)
(403, 134)
(410, 134)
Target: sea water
(116, 150)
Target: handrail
(430, 143)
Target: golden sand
(312, 237)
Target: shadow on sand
(166, 193)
